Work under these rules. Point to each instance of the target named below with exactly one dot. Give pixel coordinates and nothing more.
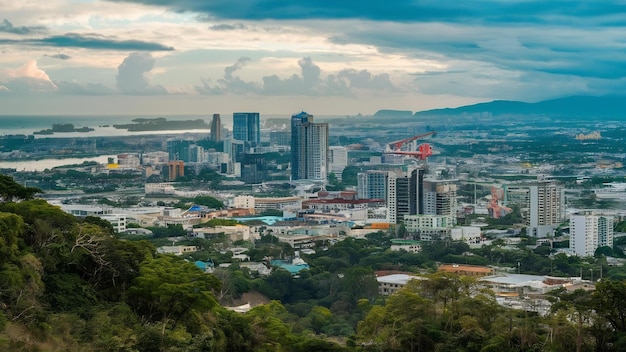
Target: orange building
(466, 270)
(176, 169)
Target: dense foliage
(70, 284)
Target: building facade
(439, 198)
(216, 128)
(309, 148)
(338, 158)
(247, 128)
(589, 232)
(372, 184)
(542, 205)
(404, 194)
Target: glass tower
(247, 127)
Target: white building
(243, 202)
(588, 232)
(390, 284)
(542, 205)
(428, 227)
(159, 188)
(469, 234)
(118, 221)
(338, 157)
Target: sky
(326, 57)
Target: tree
(99, 222)
(169, 288)
(609, 302)
(11, 190)
(267, 324)
(577, 307)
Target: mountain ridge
(575, 106)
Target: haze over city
(199, 57)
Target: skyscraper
(247, 128)
(178, 150)
(589, 232)
(404, 195)
(372, 184)
(542, 205)
(216, 128)
(309, 148)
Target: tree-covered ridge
(68, 284)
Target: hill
(574, 106)
(393, 113)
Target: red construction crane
(423, 151)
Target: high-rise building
(176, 169)
(309, 148)
(178, 150)
(253, 168)
(589, 232)
(439, 198)
(372, 184)
(216, 128)
(542, 205)
(280, 137)
(404, 194)
(338, 158)
(247, 128)
(235, 150)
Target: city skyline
(194, 57)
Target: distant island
(63, 128)
(161, 124)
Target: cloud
(28, 78)
(363, 79)
(309, 81)
(131, 76)
(227, 27)
(90, 41)
(60, 56)
(77, 88)
(28, 70)
(4, 89)
(241, 62)
(7, 27)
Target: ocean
(102, 125)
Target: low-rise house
(236, 232)
(294, 266)
(177, 250)
(390, 284)
(398, 244)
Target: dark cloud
(92, 41)
(486, 11)
(131, 75)
(8, 27)
(60, 56)
(227, 27)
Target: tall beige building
(542, 205)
